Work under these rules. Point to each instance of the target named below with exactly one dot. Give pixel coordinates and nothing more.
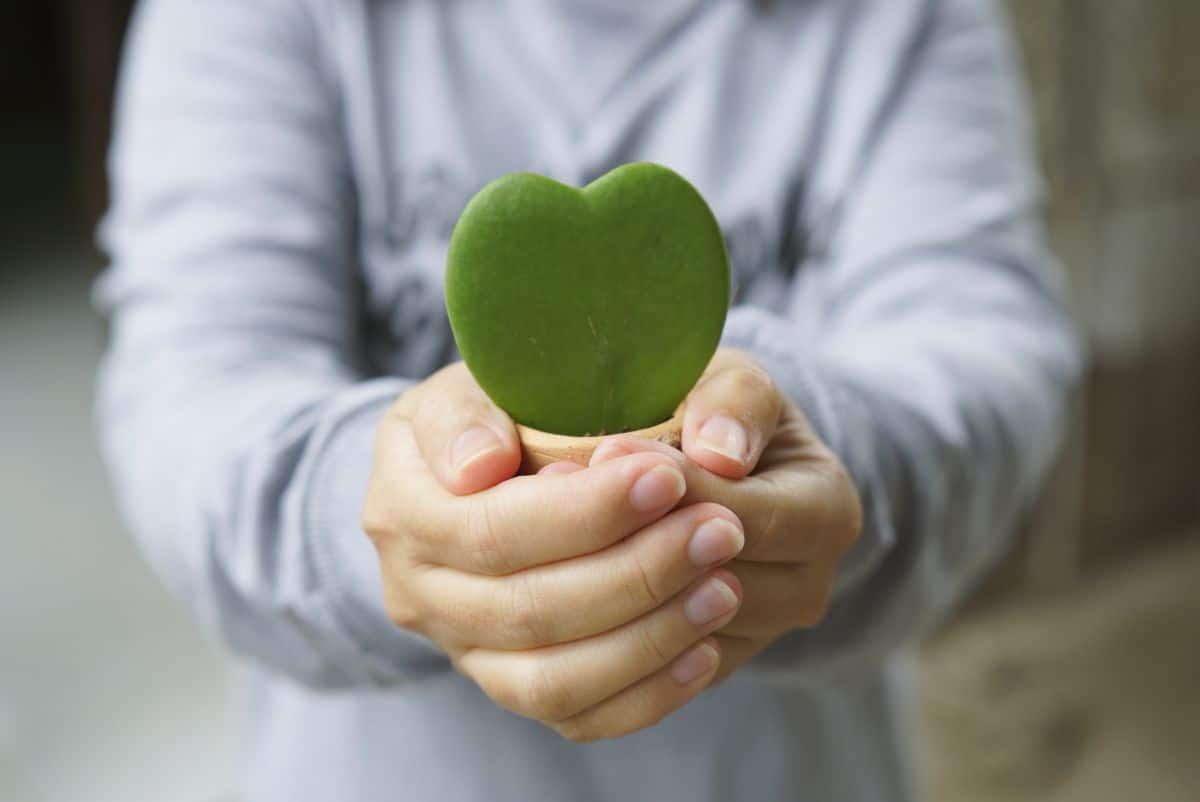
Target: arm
(233, 407)
(933, 356)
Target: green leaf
(588, 311)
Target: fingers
(649, 701)
(556, 683)
(402, 493)
(468, 442)
(522, 522)
(536, 520)
(779, 597)
(785, 514)
(731, 414)
(563, 466)
(601, 591)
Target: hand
(750, 449)
(582, 599)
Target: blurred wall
(33, 112)
(1071, 676)
(1116, 88)
(92, 35)
(58, 61)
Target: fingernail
(694, 663)
(658, 488)
(710, 601)
(715, 541)
(473, 444)
(605, 451)
(560, 467)
(725, 436)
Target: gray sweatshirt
(285, 177)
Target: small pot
(539, 449)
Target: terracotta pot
(539, 449)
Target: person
(309, 468)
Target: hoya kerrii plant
(587, 312)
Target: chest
(457, 94)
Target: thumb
(468, 442)
(731, 414)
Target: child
(717, 623)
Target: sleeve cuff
(349, 596)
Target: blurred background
(1071, 674)
(108, 693)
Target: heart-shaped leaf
(588, 311)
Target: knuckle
(638, 587)
(479, 408)
(771, 518)
(588, 521)
(374, 520)
(455, 385)
(752, 381)
(503, 691)
(403, 610)
(814, 611)
(575, 732)
(546, 696)
(852, 526)
(501, 679)
(525, 617)
(651, 703)
(409, 410)
(404, 616)
(444, 376)
(651, 647)
(401, 409)
(657, 713)
(485, 544)
(824, 500)
(842, 516)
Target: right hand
(578, 597)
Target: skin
(600, 600)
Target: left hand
(747, 447)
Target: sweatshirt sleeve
(928, 341)
(235, 412)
